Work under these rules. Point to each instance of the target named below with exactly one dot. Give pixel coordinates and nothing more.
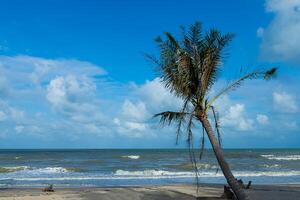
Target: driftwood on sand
(228, 192)
(49, 188)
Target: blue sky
(73, 74)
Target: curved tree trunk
(238, 191)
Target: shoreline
(186, 191)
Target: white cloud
(262, 119)
(135, 126)
(132, 121)
(27, 75)
(285, 102)
(281, 38)
(69, 91)
(11, 114)
(74, 97)
(145, 101)
(117, 121)
(157, 96)
(36, 70)
(236, 118)
(136, 112)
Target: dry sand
(186, 192)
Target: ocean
(134, 167)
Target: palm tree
(189, 68)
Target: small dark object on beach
(241, 183)
(249, 185)
(49, 188)
(228, 193)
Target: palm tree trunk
(238, 191)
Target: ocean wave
(163, 173)
(13, 169)
(190, 166)
(156, 174)
(134, 157)
(49, 170)
(46, 170)
(271, 166)
(151, 173)
(288, 157)
(267, 155)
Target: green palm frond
(168, 117)
(217, 124)
(268, 74)
(213, 54)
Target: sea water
(134, 167)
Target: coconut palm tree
(189, 68)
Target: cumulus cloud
(67, 92)
(285, 102)
(145, 100)
(75, 98)
(262, 119)
(69, 86)
(157, 95)
(281, 38)
(10, 113)
(136, 112)
(236, 118)
(59, 98)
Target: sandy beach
(187, 192)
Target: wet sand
(168, 192)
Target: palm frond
(190, 142)
(213, 55)
(172, 40)
(182, 119)
(217, 124)
(166, 118)
(268, 74)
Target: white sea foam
(287, 157)
(156, 174)
(267, 155)
(13, 169)
(49, 170)
(162, 173)
(151, 173)
(134, 157)
(30, 170)
(271, 166)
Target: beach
(187, 192)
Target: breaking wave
(163, 173)
(134, 157)
(288, 157)
(46, 170)
(156, 174)
(200, 166)
(13, 169)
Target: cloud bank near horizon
(73, 103)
